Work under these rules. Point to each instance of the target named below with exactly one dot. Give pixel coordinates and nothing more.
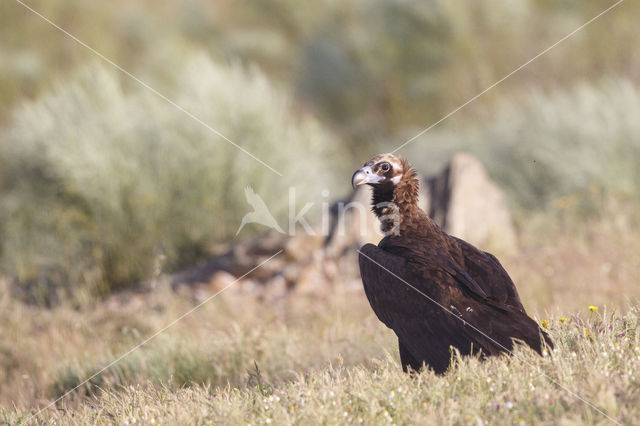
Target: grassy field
(238, 359)
(597, 361)
(104, 185)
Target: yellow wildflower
(593, 308)
(544, 324)
(587, 333)
(562, 319)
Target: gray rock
(468, 205)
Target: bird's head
(384, 171)
(395, 189)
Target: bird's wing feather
(488, 273)
(434, 257)
(461, 276)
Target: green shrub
(103, 183)
(549, 146)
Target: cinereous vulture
(435, 291)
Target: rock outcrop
(468, 205)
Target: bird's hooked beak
(365, 175)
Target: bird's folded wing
(461, 276)
(488, 273)
(431, 309)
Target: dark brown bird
(433, 290)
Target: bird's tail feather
(516, 325)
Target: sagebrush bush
(548, 146)
(104, 182)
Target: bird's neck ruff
(397, 205)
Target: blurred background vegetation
(102, 183)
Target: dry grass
(328, 359)
(571, 261)
(597, 359)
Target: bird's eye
(385, 167)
